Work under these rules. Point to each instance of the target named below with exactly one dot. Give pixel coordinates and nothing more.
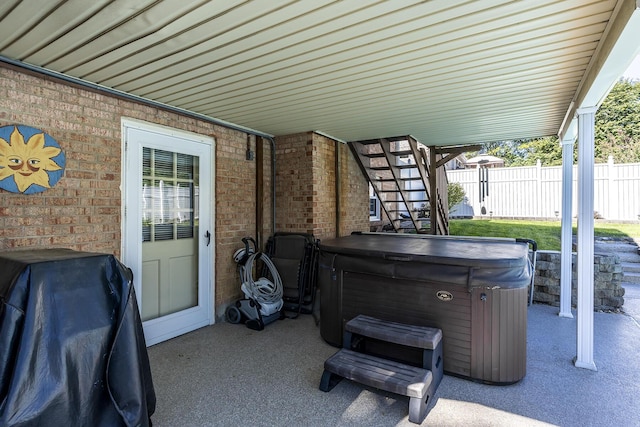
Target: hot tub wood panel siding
(497, 324)
(414, 303)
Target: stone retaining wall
(608, 292)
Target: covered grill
(72, 348)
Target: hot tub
(473, 289)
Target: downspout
(138, 99)
(259, 156)
(260, 183)
(338, 192)
(273, 182)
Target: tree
(547, 150)
(455, 194)
(617, 128)
(617, 133)
(526, 152)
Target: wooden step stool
(418, 383)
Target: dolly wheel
(233, 315)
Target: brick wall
(354, 206)
(306, 187)
(324, 186)
(294, 183)
(83, 211)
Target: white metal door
(167, 235)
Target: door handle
(208, 236)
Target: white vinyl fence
(536, 192)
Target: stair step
(398, 333)
(628, 257)
(630, 267)
(395, 377)
(387, 167)
(402, 153)
(616, 247)
(428, 339)
(411, 190)
(631, 277)
(368, 142)
(381, 373)
(417, 178)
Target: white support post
(586, 125)
(566, 251)
(612, 192)
(538, 211)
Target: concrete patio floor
(229, 375)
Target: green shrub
(455, 193)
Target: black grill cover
(72, 349)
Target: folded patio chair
(295, 257)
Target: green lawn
(545, 233)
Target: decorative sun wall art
(30, 160)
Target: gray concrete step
(630, 267)
(631, 277)
(617, 247)
(627, 251)
(628, 257)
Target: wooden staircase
(400, 171)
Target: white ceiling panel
(446, 72)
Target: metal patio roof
(446, 72)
